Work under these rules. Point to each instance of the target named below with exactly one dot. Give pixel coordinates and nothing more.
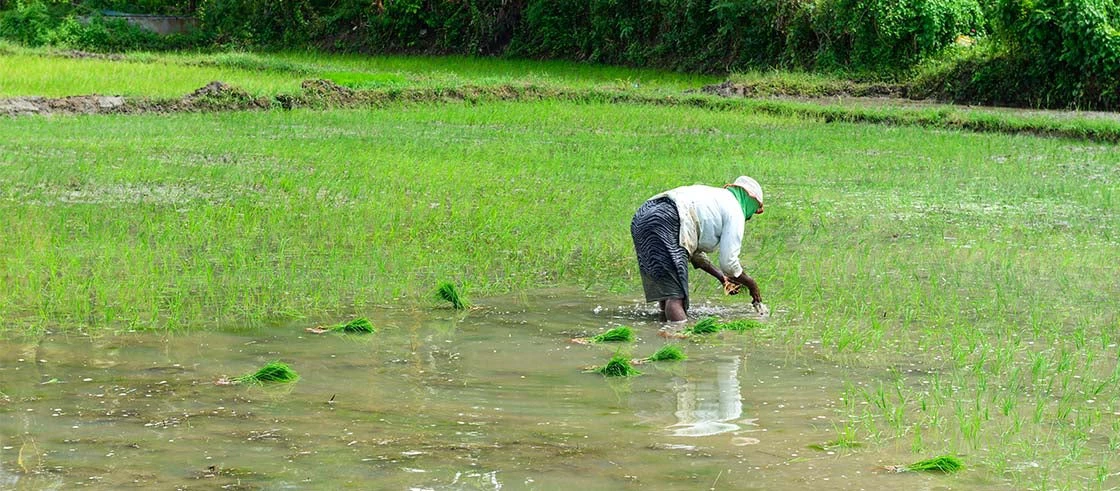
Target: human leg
(662, 262)
(675, 310)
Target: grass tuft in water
(273, 372)
(835, 444)
(621, 334)
(360, 325)
(619, 366)
(707, 325)
(944, 463)
(449, 292)
(669, 352)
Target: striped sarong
(663, 263)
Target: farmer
(679, 226)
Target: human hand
(730, 288)
(761, 308)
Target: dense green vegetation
(1039, 53)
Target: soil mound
(218, 96)
(84, 104)
(326, 89)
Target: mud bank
(324, 94)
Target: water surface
(496, 398)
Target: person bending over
(678, 226)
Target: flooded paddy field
(495, 398)
(935, 293)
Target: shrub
(259, 23)
(552, 29)
(29, 23)
(888, 34)
(1072, 47)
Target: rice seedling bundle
(669, 352)
(448, 292)
(741, 325)
(944, 463)
(619, 366)
(621, 334)
(706, 325)
(360, 325)
(273, 372)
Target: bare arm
(745, 279)
(700, 261)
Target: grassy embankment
(977, 271)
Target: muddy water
(493, 399)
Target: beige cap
(752, 188)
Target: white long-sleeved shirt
(711, 218)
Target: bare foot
(670, 333)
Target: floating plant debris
(669, 352)
(448, 292)
(273, 372)
(619, 366)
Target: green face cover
(745, 200)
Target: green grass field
(38, 72)
(986, 260)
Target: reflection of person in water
(677, 227)
(708, 407)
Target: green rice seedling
(846, 438)
(741, 325)
(448, 292)
(621, 334)
(835, 444)
(272, 372)
(669, 352)
(944, 463)
(707, 325)
(619, 366)
(360, 325)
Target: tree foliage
(1041, 52)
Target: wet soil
(215, 96)
(218, 96)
